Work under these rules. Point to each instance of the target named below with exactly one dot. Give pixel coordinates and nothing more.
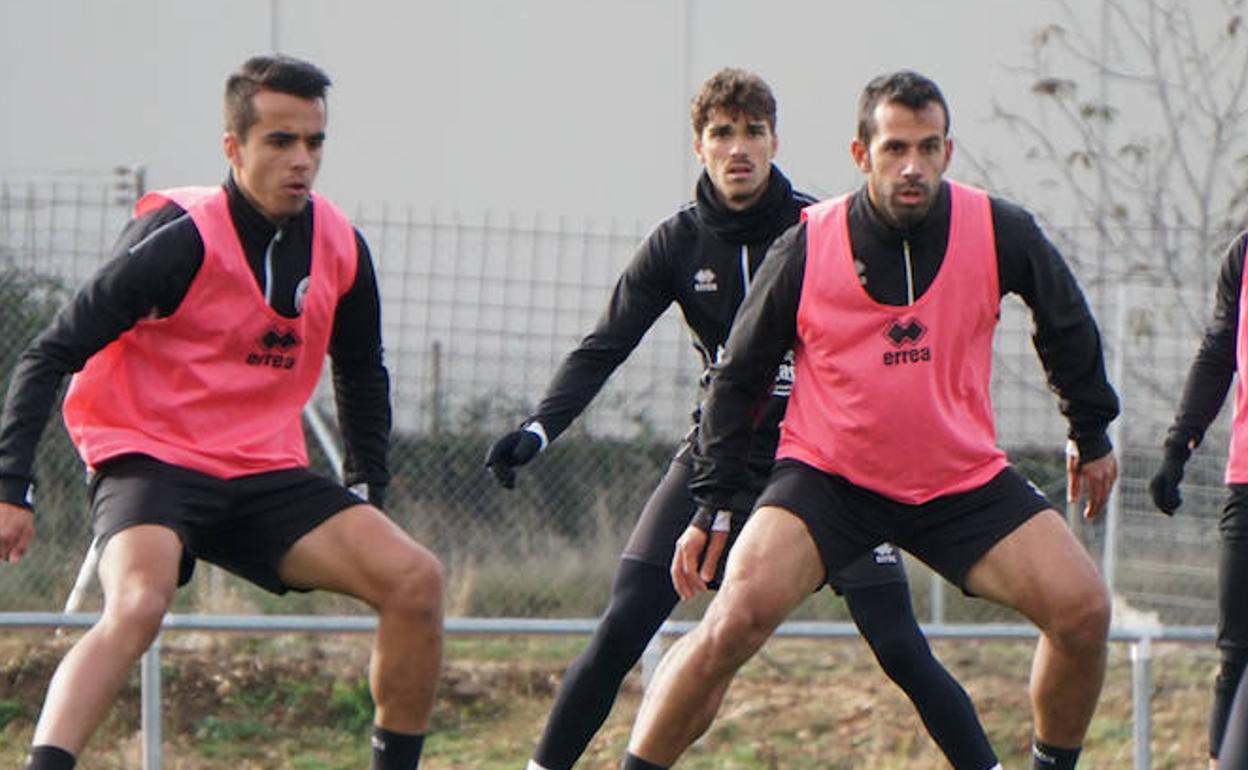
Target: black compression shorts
(949, 534)
(244, 524)
(671, 506)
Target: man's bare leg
(362, 553)
(1042, 571)
(771, 569)
(138, 575)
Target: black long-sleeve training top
(1209, 378)
(154, 262)
(703, 258)
(1065, 335)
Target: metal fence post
(1113, 507)
(1141, 699)
(149, 714)
(937, 588)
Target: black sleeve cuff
(17, 491)
(703, 518)
(377, 495)
(1093, 447)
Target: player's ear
(859, 151)
(230, 144)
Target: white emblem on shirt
(301, 293)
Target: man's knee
(136, 614)
(1082, 620)
(733, 633)
(414, 589)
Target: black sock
(48, 758)
(395, 751)
(637, 763)
(1046, 757)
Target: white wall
(572, 107)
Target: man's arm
(153, 263)
(1208, 381)
(644, 290)
(1066, 336)
(361, 382)
(1069, 345)
(1209, 378)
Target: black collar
(759, 223)
(253, 227)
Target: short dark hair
(284, 74)
(904, 87)
(736, 92)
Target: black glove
(1165, 483)
(512, 450)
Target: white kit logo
(301, 293)
(704, 280)
(886, 554)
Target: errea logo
(278, 345)
(910, 332)
(905, 335)
(705, 280)
(885, 554)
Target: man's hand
(1095, 477)
(17, 529)
(509, 452)
(699, 550)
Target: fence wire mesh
(477, 316)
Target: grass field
(300, 702)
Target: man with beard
(888, 298)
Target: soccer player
(1221, 354)
(194, 351)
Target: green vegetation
(352, 706)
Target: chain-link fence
(477, 316)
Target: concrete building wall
(563, 107)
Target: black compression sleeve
(642, 597)
(884, 615)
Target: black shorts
(671, 506)
(244, 524)
(949, 534)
